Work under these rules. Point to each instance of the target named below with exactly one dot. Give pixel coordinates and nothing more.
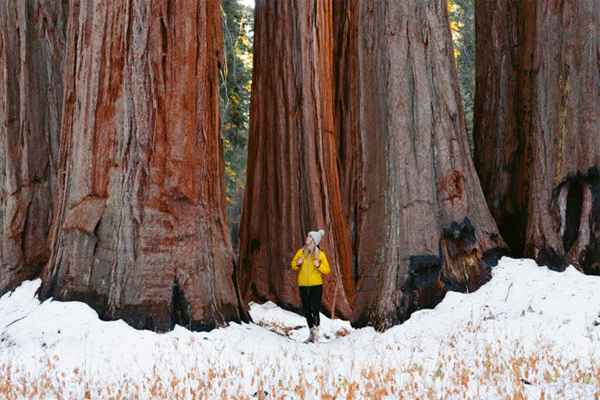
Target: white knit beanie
(317, 235)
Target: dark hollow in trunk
(573, 213)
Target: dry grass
(451, 377)
(492, 368)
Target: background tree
(32, 42)
(236, 79)
(423, 225)
(500, 148)
(293, 183)
(345, 58)
(539, 105)
(462, 27)
(140, 231)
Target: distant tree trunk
(500, 147)
(32, 41)
(293, 183)
(424, 224)
(345, 58)
(557, 120)
(140, 232)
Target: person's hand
(316, 263)
(300, 261)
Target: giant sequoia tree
(345, 23)
(422, 224)
(293, 184)
(140, 230)
(32, 41)
(538, 116)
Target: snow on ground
(528, 333)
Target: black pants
(311, 303)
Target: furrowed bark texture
(500, 150)
(32, 42)
(293, 184)
(554, 111)
(346, 112)
(140, 232)
(564, 214)
(424, 226)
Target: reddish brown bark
(345, 58)
(32, 41)
(423, 225)
(293, 184)
(557, 114)
(140, 232)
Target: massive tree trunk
(293, 183)
(557, 114)
(32, 41)
(564, 215)
(424, 226)
(140, 231)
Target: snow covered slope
(529, 333)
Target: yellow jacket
(310, 275)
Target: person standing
(311, 263)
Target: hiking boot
(315, 334)
(311, 336)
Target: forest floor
(530, 333)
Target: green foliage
(236, 78)
(462, 25)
